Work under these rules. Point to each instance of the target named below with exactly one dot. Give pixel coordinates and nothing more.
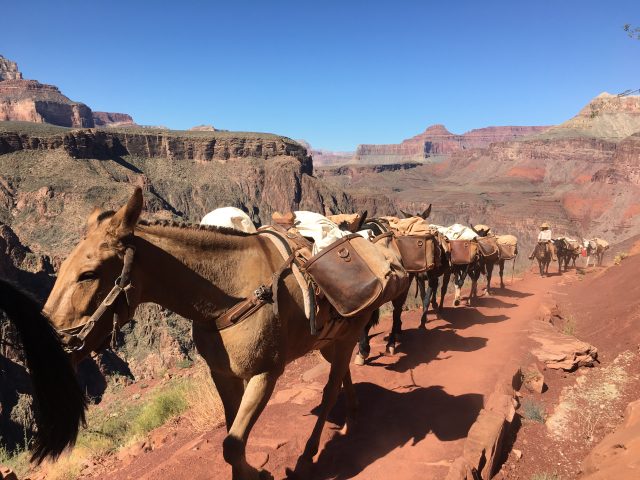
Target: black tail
(60, 402)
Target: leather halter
(74, 338)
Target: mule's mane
(194, 227)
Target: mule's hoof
(359, 360)
(423, 326)
(391, 350)
(456, 302)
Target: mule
(60, 403)
(563, 253)
(431, 279)
(380, 226)
(207, 275)
(542, 254)
(597, 249)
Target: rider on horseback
(545, 237)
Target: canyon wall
(437, 141)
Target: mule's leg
(443, 289)
(489, 270)
(230, 390)
(352, 403)
(425, 295)
(255, 398)
(364, 347)
(396, 327)
(339, 365)
(458, 281)
(501, 266)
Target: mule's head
(90, 272)
(424, 215)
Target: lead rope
(124, 282)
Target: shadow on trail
(465, 317)
(422, 346)
(507, 292)
(388, 420)
(493, 302)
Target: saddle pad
(229, 217)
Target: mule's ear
(426, 213)
(363, 218)
(405, 214)
(94, 219)
(123, 223)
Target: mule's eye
(86, 276)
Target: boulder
(560, 351)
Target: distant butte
(32, 101)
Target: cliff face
(110, 143)
(31, 101)
(104, 119)
(51, 177)
(582, 176)
(437, 141)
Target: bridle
(74, 338)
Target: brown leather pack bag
(463, 252)
(356, 275)
(488, 247)
(344, 277)
(417, 252)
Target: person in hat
(545, 236)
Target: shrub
(162, 407)
(617, 260)
(534, 411)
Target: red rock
(617, 456)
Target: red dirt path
(416, 406)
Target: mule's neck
(197, 273)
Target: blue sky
(335, 73)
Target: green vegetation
(533, 411)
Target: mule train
(259, 299)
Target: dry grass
(620, 256)
(205, 407)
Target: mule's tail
(60, 402)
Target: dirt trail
(416, 406)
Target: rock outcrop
(9, 70)
(618, 454)
(110, 119)
(31, 101)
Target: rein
(74, 337)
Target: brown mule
(201, 273)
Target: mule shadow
(507, 292)
(493, 302)
(388, 420)
(464, 317)
(422, 346)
